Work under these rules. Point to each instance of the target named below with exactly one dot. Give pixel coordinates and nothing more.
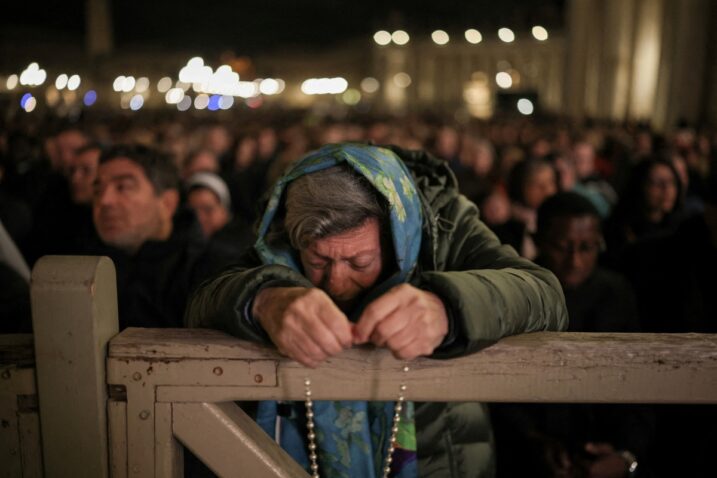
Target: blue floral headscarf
(352, 436)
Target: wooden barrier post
(20, 452)
(74, 315)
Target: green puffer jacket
(489, 292)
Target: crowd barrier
(86, 400)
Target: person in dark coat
(577, 440)
(374, 244)
(158, 249)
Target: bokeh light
(164, 84)
(382, 37)
(402, 80)
(201, 101)
(12, 81)
(33, 75)
(24, 99)
(351, 97)
(370, 84)
(539, 33)
(90, 98)
(400, 37)
(136, 102)
(324, 86)
(525, 106)
(185, 103)
(117, 84)
(142, 84)
(73, 82)
(226, 102)
(174, 96)
(269, 86)
(473, 36)
(61, 81)
(30, 104)
(213, 104)
(440, 37)
(128, 84)
(503, 80)
(506, 35)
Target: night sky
(256, 26)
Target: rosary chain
(311, 427)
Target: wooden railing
(175, 388)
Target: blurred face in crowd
(540, 185)
(81, 174)
(584, 157)
(202, 161)
(477, 155)
(66, 145)
(245, 153)
(126, 208)
(345, 265)
(447, 143)
(570, 248)
(218, 140)
(660, 191)
(209, 210)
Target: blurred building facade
(637, 60)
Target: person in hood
(374, 244)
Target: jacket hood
(386, 172)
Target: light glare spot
(185, 104)
(30, 104)
(142, 84)
(402, 80)
(90, 98)
(503, 80)
(351, 96)
(525, 106)
(164, 84)
(382, 37)
(400, 37)
(24, 99)
(117, 84)
(213, 103)
(73, 82)
(324, 86)
(506, 35)
(128, 84)
(473, 36)
(201, 101)
(370, 84)
(174, 96)
(11, 82)
(440, 37)
(226, 102)
(540, 33)
(269, 86)
(61, 81)
(136, 102)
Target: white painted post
(74, 315)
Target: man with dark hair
(159, 253)
(365, 244)
(577, 440)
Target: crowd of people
(624, 217)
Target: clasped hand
(307, 326)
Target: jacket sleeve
(489, 291)
(223, 302)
